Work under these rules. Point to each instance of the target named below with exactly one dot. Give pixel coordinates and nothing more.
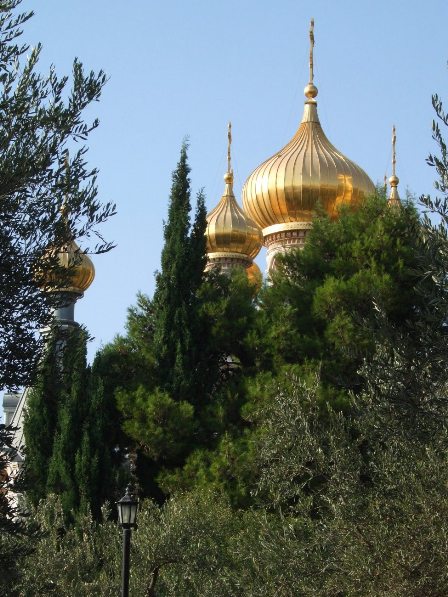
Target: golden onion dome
(288, 186)
(229, 230)
(79, 267)
(81, 270)
(254, 275)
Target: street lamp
(127, 516)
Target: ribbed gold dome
(82, 270)
(229, 229)
(287, 187)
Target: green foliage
(228, 315)
(71, 411)
(17, 538)
(176, 375)
(69, 430)
(174, 302)
(83, 559)
(323, 303)
(178, 549)
(40, 420)
(42, 117)
(164, 427)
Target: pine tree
(322, 307)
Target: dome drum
(283, 240)
(226, 262)
(224, 256)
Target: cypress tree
(40, 420)
(68, 430)
(71, 416)
(96, 473)
(182, 266)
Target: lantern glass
(127, 510)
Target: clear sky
(187, 67)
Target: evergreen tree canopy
(69, 429)
(323, 304)
(184, 349)
(175, 300)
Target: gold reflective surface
(309, 170)
(82, 270)
(229, 229)
(254, 275)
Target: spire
(228, 176)
(394, 198)
(311, 90)
(229, 144)
(311, 52)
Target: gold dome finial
(394, 150)
(311, 90)
(394, 198)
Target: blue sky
(182, 67)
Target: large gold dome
(229, 230)
(80, 266)
(288, 186)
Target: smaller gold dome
(229, 229)
(254, 275)
(82, 270)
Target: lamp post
(127, 516)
